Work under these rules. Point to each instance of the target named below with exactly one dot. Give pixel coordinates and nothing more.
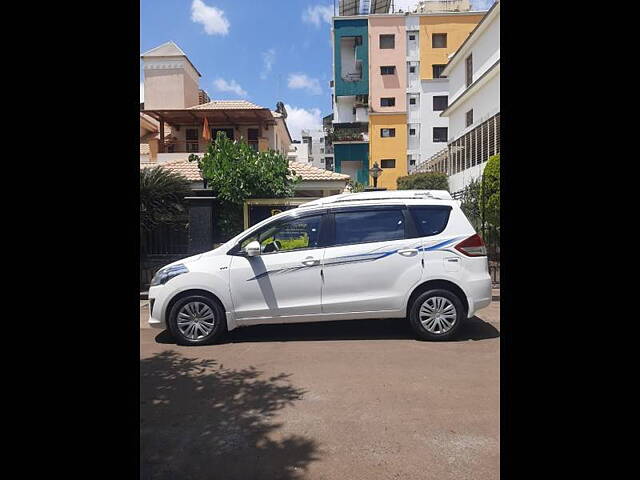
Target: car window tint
(286, 236)
(430, 220)
(369, 226)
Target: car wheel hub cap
(437, 315)
(196, 320)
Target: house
(474, 107)
(315, 182)
(172, 119)
(389, 87)
(173, 113)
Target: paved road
(340, 400)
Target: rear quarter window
(430, 219)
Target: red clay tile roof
(227, 105)
(308, 172)
(190, 170)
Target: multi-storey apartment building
(389, 89)
(320, 151)
(474, 105)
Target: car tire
(430, 322)
(194, 311)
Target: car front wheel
(436, 315)
(196, 320)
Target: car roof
(379, 197)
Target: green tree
(470, 203)
(236, 172)
(491, 191)
(424, 181)
(355, 186)
(162, 195)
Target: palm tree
(162, 195)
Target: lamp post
(375, 172)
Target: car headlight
(165, 274)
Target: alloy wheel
(437, 315)
(195, 320)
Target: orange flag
(206, 132)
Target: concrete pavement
(337, 400)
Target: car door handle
(408, 252)
(310, 261)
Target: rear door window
(430, 220)
(369, 226)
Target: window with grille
(440, 102)
(388, 102)
(412, 131)
(469, 70)
(412, 101)
(439, 40)
(389, 163)
(387, 132)
(252, 137)
(388, 70)
(387, 41)
(191, 136)
(437, 71)
(469, 117)
(440, 134)
(412, 69)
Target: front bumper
(157, 307)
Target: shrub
(424, 181)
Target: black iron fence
(164, 244)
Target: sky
(263, 51)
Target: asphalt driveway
(339, 400)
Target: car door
(371, 262)
(285, 279)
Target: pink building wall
(387, 85)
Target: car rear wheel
(436, 315)
(196, 320)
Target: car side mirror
(253, 249)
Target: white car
(391, 254)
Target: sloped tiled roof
(190, 170)
(308, 172)
(187, 169)
(168, 49)
(227, 105)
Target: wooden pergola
(236, 117)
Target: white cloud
(300, 119)
(224, 86)
(317, 14)
(268, 59)
(303, 81)
(212, 18)
(141, 92)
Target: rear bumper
(478, 294)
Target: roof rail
(380, 195)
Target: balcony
(349, 133)
(196, 146)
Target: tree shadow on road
(199, 420)
(377, 329)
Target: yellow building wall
(457, 28)
(388, 147)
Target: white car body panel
(276, 284)
(358, 281)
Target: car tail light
(472, 246)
